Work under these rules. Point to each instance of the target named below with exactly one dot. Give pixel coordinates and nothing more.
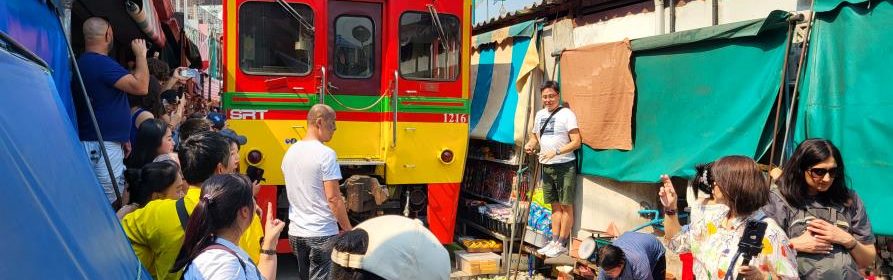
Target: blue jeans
(314, 256)
(116, 157)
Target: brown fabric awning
(598, 85)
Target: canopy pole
(803, 52)
(534, 179)
(781, 91)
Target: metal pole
(659, 13)
(517, 189)
(803, 52)
(672, 16)
(778, 100)
(536, 174)
(209, 87)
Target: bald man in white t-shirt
(316, 209)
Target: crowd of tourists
(173, 176)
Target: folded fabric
(597, 83)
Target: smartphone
(255, 174)
(189, 73)
(751, 242)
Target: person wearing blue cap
(235, 143)
(218, 120)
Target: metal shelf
(487, 231)
(506, 162)
(480, 196)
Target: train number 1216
(455, 118)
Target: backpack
(837, 265)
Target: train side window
(272, 42)
(426, 51)
(354, 47)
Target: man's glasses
(821, 172)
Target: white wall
(639, 20)
(602, 202)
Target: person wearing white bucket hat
(389, 247)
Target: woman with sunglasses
(824, 218)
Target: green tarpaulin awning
(750, 28)
(847, 97)
(828, 5)
(701, 95)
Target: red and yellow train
(396, 73)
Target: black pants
(659, 271)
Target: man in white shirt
(316, 208)
(556, 134)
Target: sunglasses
(821, 172)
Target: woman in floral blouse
(713, 241)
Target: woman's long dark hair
(151, 101)
(155, 177)
(223, 196)
(148, 139)
(793, 184)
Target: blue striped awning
(500, 75)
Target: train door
(354, 78)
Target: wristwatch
(268, 252)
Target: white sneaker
(556, 251)
(546, 248)
(552, 247)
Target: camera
(751, 242)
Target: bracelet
(670, 212)
(557, 151)
(855, 243)
(268, 252)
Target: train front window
(429, 51)
(272, 41)
(354, 47)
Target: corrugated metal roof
(547, 9)
(533, 7)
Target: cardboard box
(478, 263)
(575, 248)
(535, 237)
(520, 264)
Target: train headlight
(254, 157)
(447, 156)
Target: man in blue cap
(218, 120)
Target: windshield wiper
(294, 14)
(436, 19)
